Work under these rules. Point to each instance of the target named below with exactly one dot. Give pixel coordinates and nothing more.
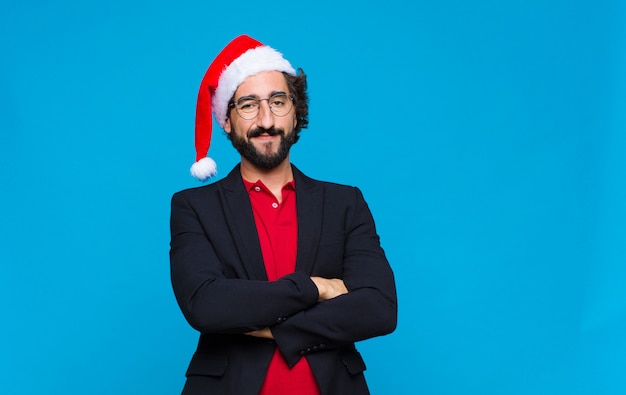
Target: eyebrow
(272, 93)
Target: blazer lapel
(310, 206)
(240, 220)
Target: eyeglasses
(248, 106)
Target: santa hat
(241, 58)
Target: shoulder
(331, 189)
(199, 192)
(206, 191)
(306, 180)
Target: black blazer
(219, 280)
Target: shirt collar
(291, 185)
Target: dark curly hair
(297, 86)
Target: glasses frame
(248, 117)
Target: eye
(247, 105)
(278, 101)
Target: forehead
(262, 84)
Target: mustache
(270, 132)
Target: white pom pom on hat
(204, 169)
(241, 58)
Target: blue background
(488, 138)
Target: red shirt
(277, 226)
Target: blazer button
(302, 352)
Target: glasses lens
(280, 104)
(247, 107)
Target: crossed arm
(327, 288)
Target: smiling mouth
(264, 133)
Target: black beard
(266, 161)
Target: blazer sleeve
(369, 309)
(213, 303)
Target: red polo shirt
(277, 226)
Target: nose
(265, 119)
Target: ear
(227, 126)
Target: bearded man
(281, 274)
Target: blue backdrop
(488, 138)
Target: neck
(274, 178)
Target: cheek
(294, 122)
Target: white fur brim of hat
(251, 62)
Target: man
(280, 273)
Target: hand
(264, 333)
(329, 288)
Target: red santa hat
(241, 58)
